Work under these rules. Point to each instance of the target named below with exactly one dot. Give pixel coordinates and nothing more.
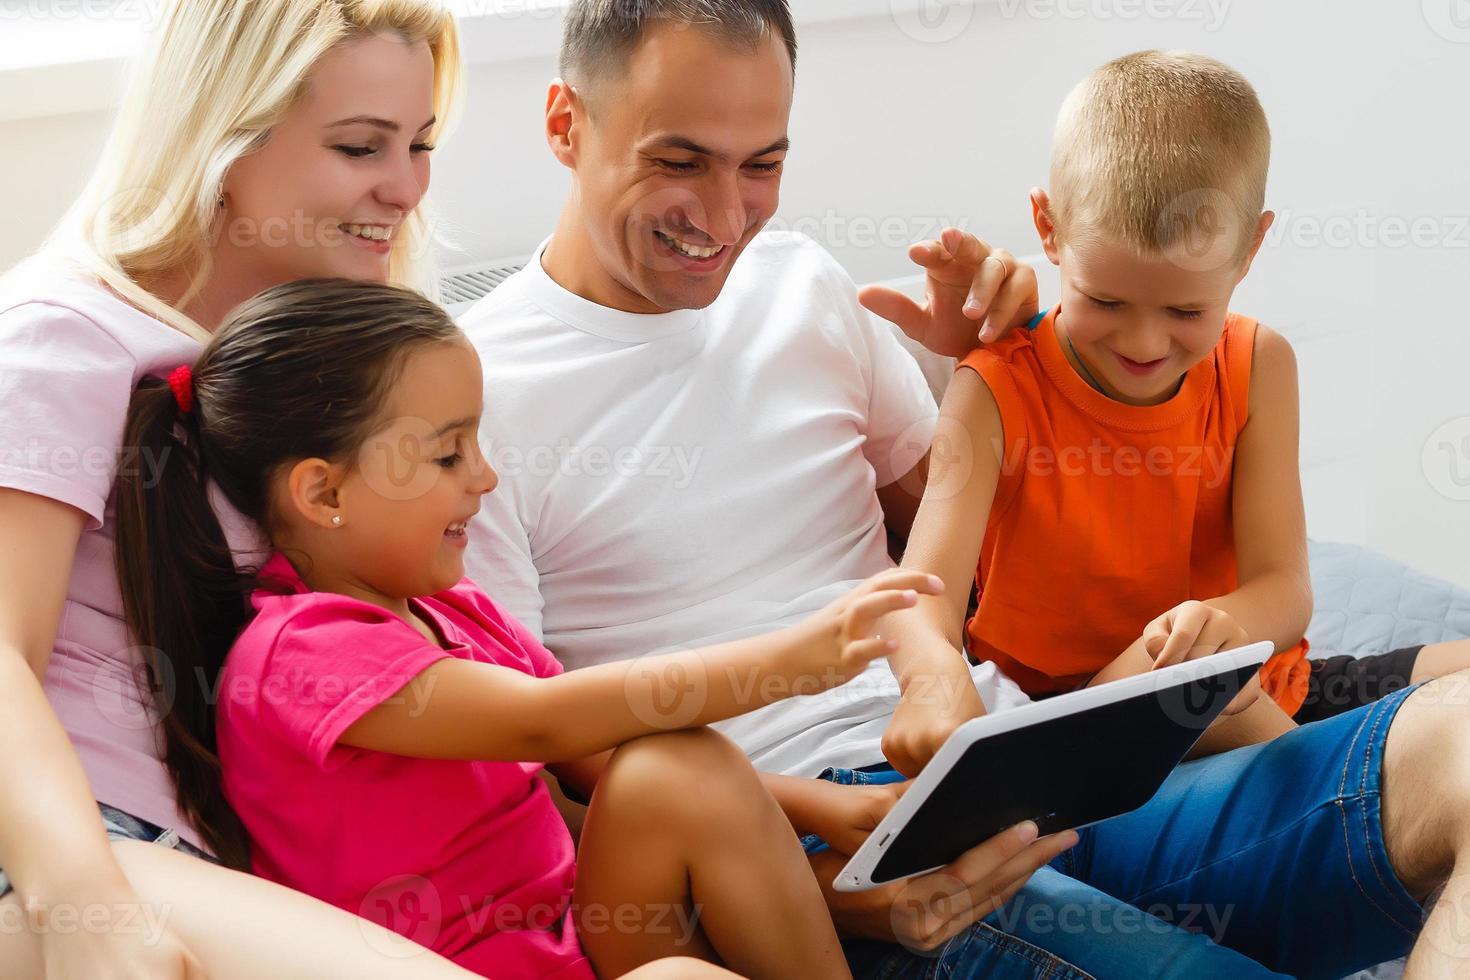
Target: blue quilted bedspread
(1368, 603)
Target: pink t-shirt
(71, 353)
(468, 858)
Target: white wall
(903, 123)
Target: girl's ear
(312, 492)
(1045, 227)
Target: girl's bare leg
(684, 853)
(679, 968)
(238, 926)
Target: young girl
(380, 724)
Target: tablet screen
(1063, 773)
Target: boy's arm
(938, 693)
(1274, 598)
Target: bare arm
(52, 845)
(1274, 598)
(51, 840)
(481, 711)
(938, 693)
(900, 500)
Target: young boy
(1123, 475)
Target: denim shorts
(125, 826)
(1266, 861)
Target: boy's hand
(925, 718)
(1192, 630)
(975, 294)
(848, 814)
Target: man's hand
(975, 294)
(925, 912)
(932, 707)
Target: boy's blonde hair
(1165, 152)
(215, 78)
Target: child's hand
(843, 637)
(850, 813)
(926, 716)
(1189, 631)
(1192, 630)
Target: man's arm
(900, 503)
(499, 558)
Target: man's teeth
(457, 528)
(693, 251)
(374, 232)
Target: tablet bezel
(856, 874)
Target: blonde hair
(214, 79)
(1161, 150)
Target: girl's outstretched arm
(469, 710)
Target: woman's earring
(336, 520)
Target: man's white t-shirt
(677, 480)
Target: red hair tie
(182, 383)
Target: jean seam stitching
(1367, 837)
(1353, 870)
(1029, 951)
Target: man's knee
(1426, 783)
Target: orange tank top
(1107, 515)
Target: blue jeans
(121, 825)
(1266, 861)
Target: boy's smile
(1133, 325)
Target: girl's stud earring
(336, 520)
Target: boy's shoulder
(1015, 352)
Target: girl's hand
(850, 813)
(842, 639)
(1193, 630)
(127, 949)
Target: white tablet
(1065, 762)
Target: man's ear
(312, 491)
(564, 113)
(1045, 226)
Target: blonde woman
(259, 142)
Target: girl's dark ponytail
(184, 601)
(301, 371)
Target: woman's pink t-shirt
(468, 858)
(71, 353)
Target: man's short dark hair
(599, 35)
